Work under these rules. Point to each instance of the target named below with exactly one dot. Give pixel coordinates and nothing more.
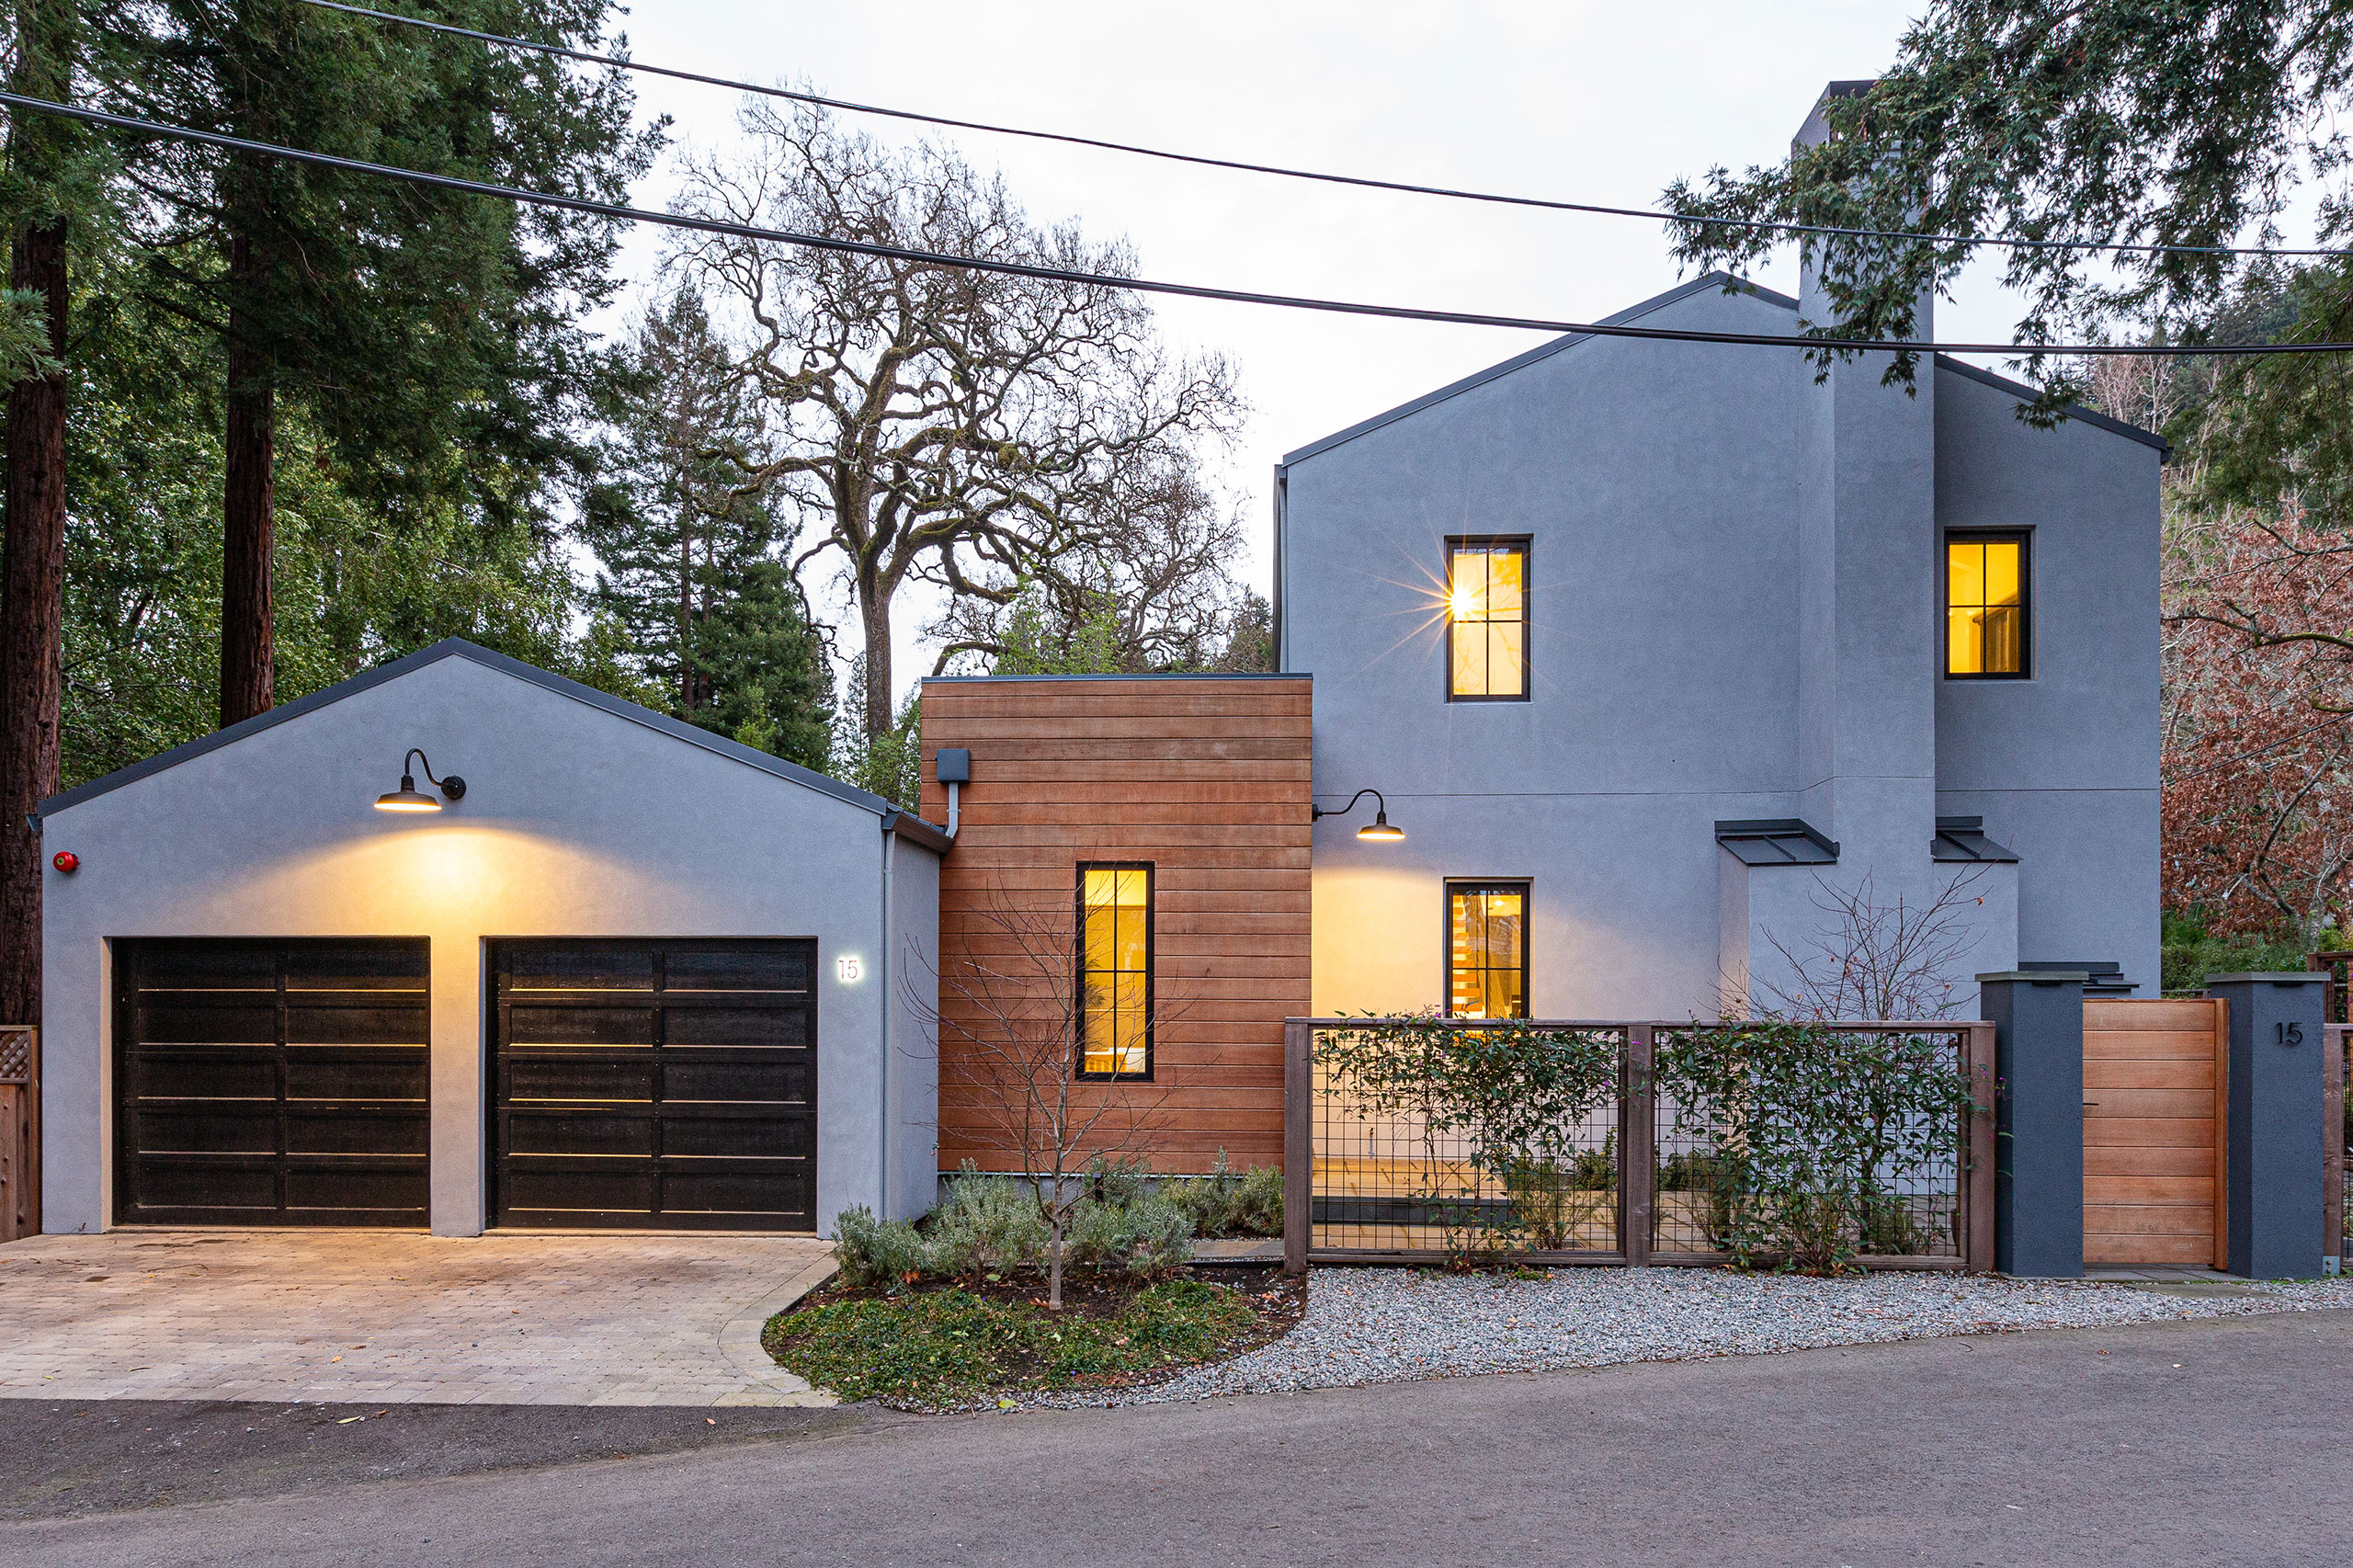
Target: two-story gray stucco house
(1649, 646)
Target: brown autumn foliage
(2258, 727)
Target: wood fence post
(1299, 1142)
(1637, 1146)
(1977, 1175)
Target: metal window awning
(1963, 839)
(1775, 841)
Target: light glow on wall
(849, 968)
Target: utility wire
(1364, 182)
(1104, 281)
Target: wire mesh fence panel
(1819, 1144)
(1455, 1139)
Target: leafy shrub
(1552, 1198)
(1230, 1203)
(872, 1251)
(1147, 1238)
(1116, 1181)
(987, 1225)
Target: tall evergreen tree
(432, 339)
(693, 569)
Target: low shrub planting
(934, 1350)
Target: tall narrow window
(1985, 605)
(1486, 620)
(1486, 949)
(1115, 955)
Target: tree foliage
(970, 428)
(2164, 122)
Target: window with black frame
(1486, 620)
(1987, 614)
(1486, 949)
(1115, 958)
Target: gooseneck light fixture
(1377, 831)
(407, 799)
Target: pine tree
(692, 568)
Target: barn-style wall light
(407, 799)
(1377, 831)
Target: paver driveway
(378, 1315)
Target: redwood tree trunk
(248, 542)
(32, 622)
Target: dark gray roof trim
(457, 647)
(916, 830)
(2100, 978)
(1723, 283)
(1964, 838)
(2024, 393)
(1190, 675)
(1775, 841)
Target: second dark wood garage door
(667, 1084)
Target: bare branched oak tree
(964, 427)
(1011, 1030)
(1874, 957)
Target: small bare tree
(1873, 958)
(1011, 1024)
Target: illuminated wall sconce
(407, 799)
(1377, 831)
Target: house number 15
(2288, 1034)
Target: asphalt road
(2222, 1440)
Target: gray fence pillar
(2037, 1018)
(2274, 1165)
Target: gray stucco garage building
(635, 975)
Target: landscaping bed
(964, 1344)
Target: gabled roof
(1722, 282)
(892, 818)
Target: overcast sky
(1574, 99)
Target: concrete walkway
(388, 1316)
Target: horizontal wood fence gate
(1630, 1188)
(2156, 1132)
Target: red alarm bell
(66, 861)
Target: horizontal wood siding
(1206, 780)
(2151, 1107)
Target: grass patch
(941, 1348)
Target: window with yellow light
(1985, 605)
(1486, 620)
(1115, 955)
(1486, 949)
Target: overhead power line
(1361, 181)
(620, 213)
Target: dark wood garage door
(271, 1082)
(667, 1084)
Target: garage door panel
(272, 1082)
(761, 1137)
(764, 1029)
(735, 969)
(745, 1192)
(567, 1188)
(210, 1023)
(773, 1081)
(580, 1026)
(691, 1078)
(204, 1074)
(397, 1025)
(577, 1078)
(606, 966)
(218, 1130)
(579, 1132)
(337, 1194)
(403, 1075)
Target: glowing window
(1115, 944)
(1985, 605)
(1486, 949)
(1487, 618)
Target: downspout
(882, 979)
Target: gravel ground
(1391, 1326)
